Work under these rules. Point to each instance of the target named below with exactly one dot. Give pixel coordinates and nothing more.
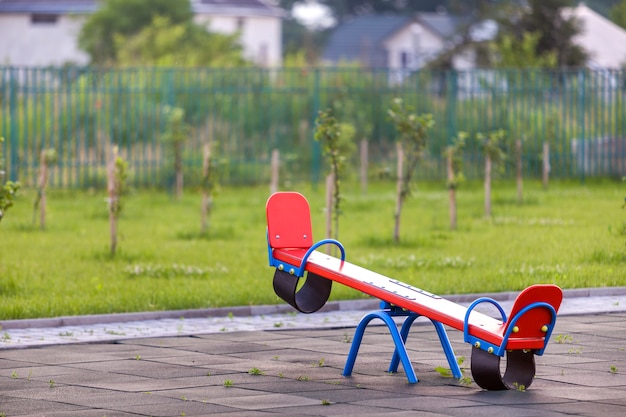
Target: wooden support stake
(112, 199)
(488, 165)
(546, 164)
(520, 184)
(207, 199)
(399, 199)
(452, 190)
(178, 167)
(364, 151)
(43, 183)
(330, 188)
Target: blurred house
(408, 43)
(45, 32)
(404, 42)
(604, 41)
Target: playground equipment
(522, 334)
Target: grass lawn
(571, 235)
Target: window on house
(404, 59)
(43, 19)
(263, 57)
(241, 21)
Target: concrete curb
(246, 311)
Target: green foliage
(50, 156)
(512, 52)
(120, 186)
(455, 151)
(617, 14)
(115, 18)
(176, 130)
(337, 145)
(493, 145)
(8, 189)
(163, 44)
(557, 30)
(413, 133)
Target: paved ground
(290, 365)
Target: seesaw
(522, 334)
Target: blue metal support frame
(399, 339)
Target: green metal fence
(83, 112)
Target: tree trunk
(520, 184)
(43, 183)
(330, 185)
(178, 168)
(452, 191)
(275, 171)
(546, 164)
(207, 200)
(487, 185)
(400, 196)
(112, 200)
(364, 151)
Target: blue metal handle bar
(300, 271)
(511, 325)
(469, 311)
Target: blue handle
(300, 271)
(469, 311)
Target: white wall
(39, 44)
(419, 43)
(260, 36)
(23, 43)
(422, 46)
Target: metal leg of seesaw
(398, 341)
(443, 338)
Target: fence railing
(246, 113)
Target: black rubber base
(311, 296)
(519, 374)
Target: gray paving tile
(157, 368)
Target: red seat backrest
(288, 221)
(532, 321)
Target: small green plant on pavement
(8, 189)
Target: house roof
(48, 6)
(444, 25)
(229, 7)
(237, 7)
(347, 41)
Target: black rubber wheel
(519, 373)
(309, 298)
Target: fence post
(581, 117)
(316, 157)
(275, 171)
(452, 93)
(520, 181)
(13, 139)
